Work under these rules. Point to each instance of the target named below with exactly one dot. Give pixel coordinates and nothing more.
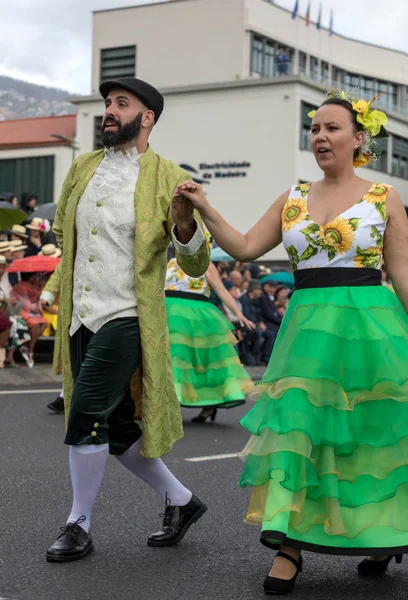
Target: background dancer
(206, 368)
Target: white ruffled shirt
(104, 270)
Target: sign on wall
(207, 172)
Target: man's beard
(124, 134)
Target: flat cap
(150, 97)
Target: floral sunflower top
(177, 280)
(355, 238)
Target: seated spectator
(235, 278)
(270, 317)
(12, 198)
(244, 286)
(50, 250)
(28, 202)
(28, 293)
(282, 297)
(252, 342)
(5, 250)
(18, 233)
(234, 292)
(18, 331)
(38, 228)
(5, 324)
(257, 344)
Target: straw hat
(19, 230)
(36, 224)
(19, 247)
(15, 242)
(50, 250)
(5, 247)
(3, 260)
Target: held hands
(191, 194)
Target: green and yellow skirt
(206, 367)
(328, 456)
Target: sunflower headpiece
(373, 122)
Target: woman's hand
(243, 321)
(194, 193)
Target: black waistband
(336, 277)
(186, 295)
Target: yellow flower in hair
(372, 121)
(378, 119)
(361, 106)
(311, 114)
(362, 160)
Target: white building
(229, 116)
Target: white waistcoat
(104, 271)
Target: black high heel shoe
(206, 413)
(274, 585)
(377, 567)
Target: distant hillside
(19, 99)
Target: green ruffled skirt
(328, 456)
(206, 367)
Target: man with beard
(116, 216)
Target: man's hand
(183, 218)
(42, 304)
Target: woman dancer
(206, 368)
(328, 456)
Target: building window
(382, 163)
(257, 55)
(97, 133)
(270, 58)
(305, 122)
(118, 62)
(325, 73)
(337, 77)
(314, 68)
(400, 157)
(302, 63)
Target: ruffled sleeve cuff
(48, 297)
(193, 245)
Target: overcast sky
(49, 41)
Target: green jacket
(152, 384)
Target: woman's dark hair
(348, 106)
(26, 276)
(279, 290)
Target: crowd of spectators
(22, 318)
(262, 299)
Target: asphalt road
(220, 558)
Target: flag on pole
(319, 18)
(295, 9)
(308, 15)
(331, 23)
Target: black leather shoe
(177, 520)
(57, 406)
(73, 543)
(377, 567)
